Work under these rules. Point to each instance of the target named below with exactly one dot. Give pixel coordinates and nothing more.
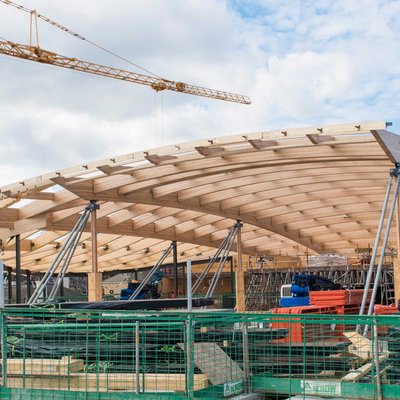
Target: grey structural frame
(64, 256)
(394, 176)
(152, 272)
(225, 249)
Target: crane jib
(35, 53)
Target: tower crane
(36, 53)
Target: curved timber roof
(297, 191)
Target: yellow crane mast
(36, 53)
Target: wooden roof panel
(296, 191)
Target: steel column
(183, 280)
(375, 249)
(18, 268)
(175, 267)
(189, 284)
(1, 284)
(240, 284)
(383, 250)
(9, 270)
(93, 229)
(28, 284)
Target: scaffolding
(263, 283)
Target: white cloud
(302, 62)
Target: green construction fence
(55, 354)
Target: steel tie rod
(69, 254)
(396, 172)
(152, 272)
(376, 245)
(223, 245)
(222, 262)
(65, 249)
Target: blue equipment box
(294, 301)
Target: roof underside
(297, 191)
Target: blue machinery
(300, 289)
(147, 286)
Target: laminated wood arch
(297, 191)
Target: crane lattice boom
(38, 54)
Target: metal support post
(239, 246)
(3, 327)
(137, 373)
(240, 284)
(10, 290)
(246, 369)
(18, 268)
(183, 279)
(189, 284)
(1, 284)
(224, 248)
(93, 228)
(383, 248)
(175, 267)
(28, 283)
(189, 356)
(3, 349)
(59, 283)
(65, 254)
(377, 363)
(396, 259)
(375, 249)
(62, 287)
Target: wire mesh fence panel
(107, 355)
(207, 355)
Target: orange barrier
(343, 302)
(297, 332)
(338, 297)
(386, 310)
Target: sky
(302, 63)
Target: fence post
(1, 284)
(137, 374)
(376, 358)
(189, 356)
(3, 348)
(246, 370)
(189, 284)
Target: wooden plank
(215, 363)
(39, 366)
(104, 382)
(357, 374)
(361, 346)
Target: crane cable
(77, 35)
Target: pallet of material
(67, 374)
(297, 331)
(338, 297)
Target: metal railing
(129, 355)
